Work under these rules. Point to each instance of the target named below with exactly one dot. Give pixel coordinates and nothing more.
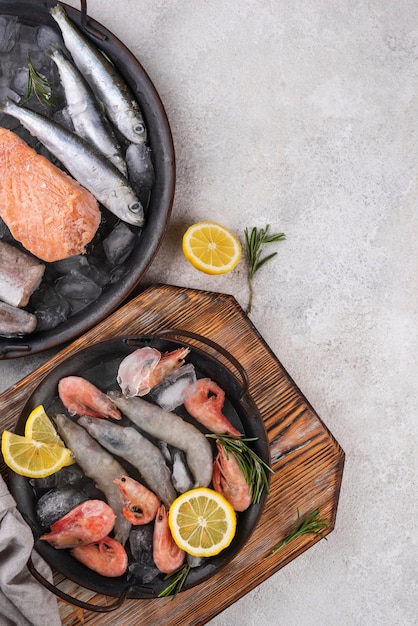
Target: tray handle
(70, 599)
(86, 26)
(215, 346)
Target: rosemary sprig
(38, 85)
(313, 525)
(177, 582)
(254, 241)
(255, 470)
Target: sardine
(84, 163)
(20, 275)
(130, 445)
(109, 87)
(15, 322)
(85, 112)
(98, 465)
(173, 430)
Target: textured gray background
(303, 115)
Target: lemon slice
(39, 427)
(211, 248)
(202, 522)
(34, 459)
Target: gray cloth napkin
(23, 601)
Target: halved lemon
(39, 427)
(202, 522)
(34, 459)
(211, 248)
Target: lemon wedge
(40, 427)
(202, 522)
(211, 248)
(31, 458)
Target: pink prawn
(229, 480)
(88, 522)
(81, 397)
(106, 557)
(146, 367)
(206, 407)
(141, 504)
(168, 557)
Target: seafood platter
(102, 400)
(86, 191)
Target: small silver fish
(98, 465)
(109, 87)
(85, 164)
(85, 112)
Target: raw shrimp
(229, 480)
(99, 465)
(129, 444)
(106, 557)
(206, 407)
(173, 430)
(81, 397)
(144, 368)
(88, 522)
(141, 504)
(168, 557)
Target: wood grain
(307, 460)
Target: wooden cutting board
(307, 461)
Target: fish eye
(135, 208)
(139, 129)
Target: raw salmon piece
(49, 212)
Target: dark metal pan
(99, 364)
(35, 13)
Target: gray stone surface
(303, 115)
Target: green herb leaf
(254, 469)
(177, 582)
(254, 242)
(38, 86)
(313, 525)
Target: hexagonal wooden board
(306, 459)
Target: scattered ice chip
(119, 244)
(194, 561)
(180, 474)
(63, 118)
(8, 31)
(176, 388)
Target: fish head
(126, 205)
(132, 125)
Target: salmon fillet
(45, 209)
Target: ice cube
(175, 388)
(20, 80)
(69, 475)
(119, 244)
(47, 38)
(49, 307)
(140, 167)
(8, 32)
(180, 474)
(56, 503)
(143, 570)
(74, 286)
(165, 450)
